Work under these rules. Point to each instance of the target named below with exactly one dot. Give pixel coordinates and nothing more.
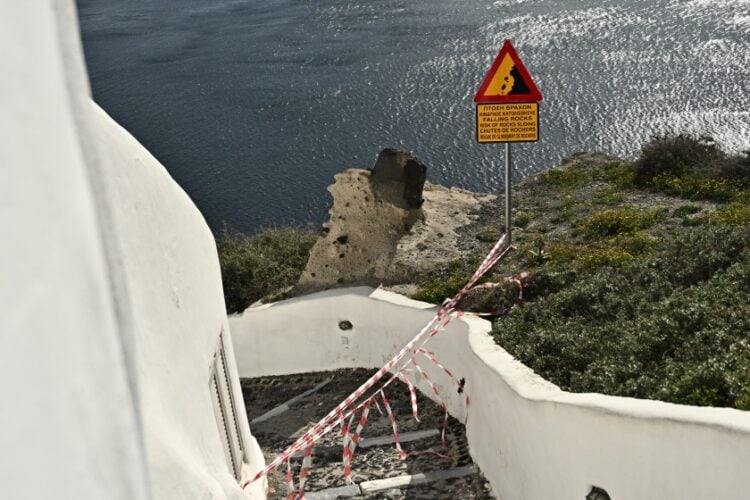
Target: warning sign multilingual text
(512, 122)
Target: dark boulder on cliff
(398, 178)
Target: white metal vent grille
(225, 410)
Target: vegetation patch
(685, 210)
(626, 297)
(673, 327)
(522, 220)
(564, 177)
(609, 196)
(692, 168)
(737, 214)
(488, 234)
(592, 256)
(254, 266)
(696, 188)
(624, 220)
(447, 281)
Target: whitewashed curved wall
(171, 268)
(110, 293)
(69, 425)
(532, 440)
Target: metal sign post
(508, 177)
(507, 111)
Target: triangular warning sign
(508, 80)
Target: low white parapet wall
(531, 439)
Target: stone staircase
(282, 408)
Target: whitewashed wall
(532, 440)
(110, 293)
(171, 268)
(69, 424)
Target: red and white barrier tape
(304, 472)
(422, 373)
(350, 445)
(335, 417)
(392, 417)
(289, 480)
(510, 279)
(519, 301)
(460, 384)
(443, 442)
(412, 396)
(346, 451)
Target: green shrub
(695, 221)
(253, 266)
(592, 257)
(736, 213)
(696, 188)
(692, 168)
(674, 156)
(488, 234)
(743, 401)
(610, 196)
(437, 290)
(447, 280)
(534, 252)
(672, 327)
(686, 210)
(737, 168)
(564, 177)
(564, 215)
(620, 174)
(639, 243)
(562, 253)
(522, 219)
(619, 221)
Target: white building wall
(531, 439)
(68, 419)
(110, 293)
(171, 268)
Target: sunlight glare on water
(254, 105)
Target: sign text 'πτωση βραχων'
(513, 122)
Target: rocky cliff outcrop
(387, 225)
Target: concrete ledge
(531, 439)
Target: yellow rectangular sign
(511, 122)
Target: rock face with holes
(387, 225)
(371, 211)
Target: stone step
(285, 406)
(376, 485)
(351, 490)
(385, 440)
(416, 479)
(423, 476)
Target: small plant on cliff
(625, 220)
(692, 168)
(676, 155)
(253, 266)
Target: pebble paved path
(275, 432)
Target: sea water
(254, 105)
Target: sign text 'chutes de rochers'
(507, 101)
